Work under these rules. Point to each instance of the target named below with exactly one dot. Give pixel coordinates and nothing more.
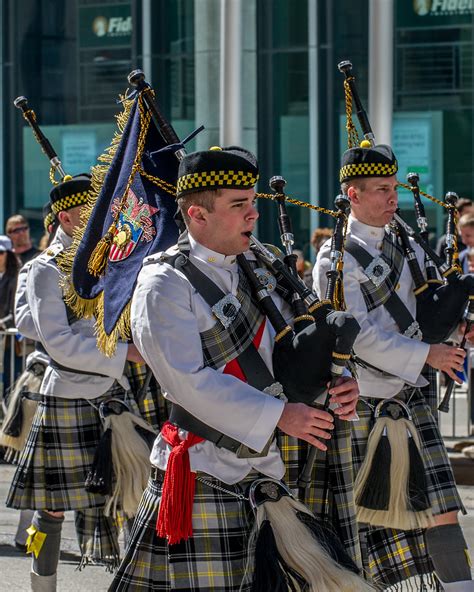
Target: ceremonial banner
(129, 216)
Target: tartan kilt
(330, 495)
(213, 559)
(153, 406)
(97, 537)
(391, 556)
(59, 453)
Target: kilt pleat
(214, 558)
(58, 455)
(97, 537)
(391, 556)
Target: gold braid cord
(456, 262)
(94, 307)
(352, 135)
(338, 299)
(302, 204)
(52, 178)
(427, 195)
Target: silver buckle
(226, 309)
(413, 331)
(246, 452)
(377, 271)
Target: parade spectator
(304, 268)
(18, 230)
(319, 237)
(466, 232)
(464, 206)
(9, 267)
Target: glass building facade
(71, 60)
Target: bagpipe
(441, 303)
(391, 486)
(320, 332)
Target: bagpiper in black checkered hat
(217, 168)
(72, 192)
(368, 161)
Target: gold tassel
(98, 259)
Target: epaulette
(160, 257)
(51, 252)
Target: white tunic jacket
(167, 318)
(379, 342)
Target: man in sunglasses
(18, 231)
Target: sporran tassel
(373, 480)
(99, 478)
(21, 411)
(390, 488)
(98, 259)
(300, 557)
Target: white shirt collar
(370, 234)
(62, 237)
(212, 257)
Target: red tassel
(177, 496)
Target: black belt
(57, 366)
(184, 420)
(157, 475)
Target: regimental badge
(134, 224)
(377, 271)
(266, 278)
(226, 309)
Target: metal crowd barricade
(459, 422)
(11, 342)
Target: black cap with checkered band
(72, 192)
(373, 161)
(217, 168)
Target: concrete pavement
(14, 565)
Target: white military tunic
(379, 342)
(73, 346)
(168, 316)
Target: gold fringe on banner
(92, 307)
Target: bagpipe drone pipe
(441, 303)
(308, 356)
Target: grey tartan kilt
(330, 494)
(152, 405)
(391, 556)
(213, 559)
(59, 453)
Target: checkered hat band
(70, 201)
(367, 169)
(211, 179)
(49, 219)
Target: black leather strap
(58, 366)
(394, 305)
(180, 417)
